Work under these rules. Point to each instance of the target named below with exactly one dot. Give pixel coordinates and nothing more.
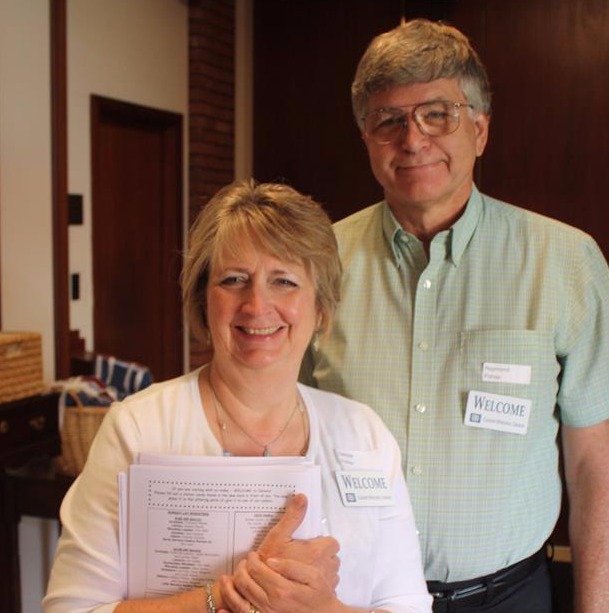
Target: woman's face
(261, 311)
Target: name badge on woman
(364, 488)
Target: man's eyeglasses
(435, 118)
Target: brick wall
(211, 109)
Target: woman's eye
(282, 282)
(232, 280)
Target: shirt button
(420, 408)
(416, 470)
(423, 346)
(427, 284)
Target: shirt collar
(461, 231)
(392, 232)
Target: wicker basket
(20, 365)
(78, 429)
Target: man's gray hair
(420, 51)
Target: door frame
(118, 111)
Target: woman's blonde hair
(279, 221)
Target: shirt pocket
(504, 347)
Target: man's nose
(412, 137)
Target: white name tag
(496, 412)
(364, 488)
(506, 373)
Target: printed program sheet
(185, 524)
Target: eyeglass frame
(404, 119)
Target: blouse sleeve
(86, 574)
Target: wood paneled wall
(547, 60)
(549, 147)
(305, 54)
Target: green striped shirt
(412, 336)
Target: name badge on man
(364, 488)
(497, 412)
(506, 373)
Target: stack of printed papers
(185, 520)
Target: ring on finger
(252, 609)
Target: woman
(260, 281)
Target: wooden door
(137, 234)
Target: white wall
(26, 249)
(131, 50)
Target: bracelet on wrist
(211, 604)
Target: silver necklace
(266, 451)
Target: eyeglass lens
(436, 118)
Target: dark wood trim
(169, 126)
(59, 169)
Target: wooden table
(29, 484)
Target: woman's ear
(319, 323)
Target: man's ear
(481, 125)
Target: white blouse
(379, 549)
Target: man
(475, 329)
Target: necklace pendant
(267, 452)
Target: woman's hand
(313, 561)
(277, 586)
(320, 553)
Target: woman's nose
(256, 299)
